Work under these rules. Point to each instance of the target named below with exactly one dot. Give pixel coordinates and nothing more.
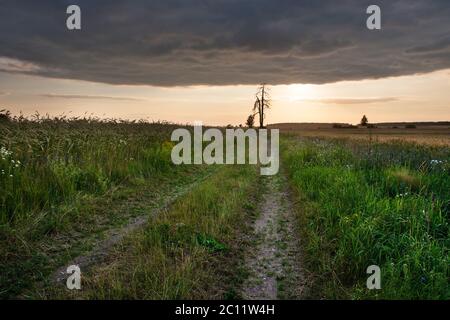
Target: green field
(64, 183)
(67, 183)
(385, 204)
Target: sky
(202, 60)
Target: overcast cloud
(223, 42)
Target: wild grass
(363, 204)
(61, 180)
(47, 162)
(185, 252)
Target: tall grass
(183, 253)
(46, 162)
(55, 172)
(385, 204)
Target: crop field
(433, 135)
(106, 195)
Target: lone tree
(250, 121)
(364, 121)
(262, 103)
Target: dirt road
(273, 259)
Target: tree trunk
(261, 114)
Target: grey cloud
(440, 45)
(223, 42)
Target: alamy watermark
(74, 280)
(374, 20)
(262, 149)
(374, 280)
(73, 21)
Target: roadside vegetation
(47, 162)
(364, 203)
(193, 250)
(64, 181)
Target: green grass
(187, 252)
(64, 182)
(363, 203)
(50, 162)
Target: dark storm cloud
(218, 42)
(440, 45)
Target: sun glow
(297, 92)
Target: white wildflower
(5, 153)
(436, 162)
(401, 195)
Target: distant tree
(250, 121)
(364, 121)
(262, 103)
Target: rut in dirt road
(273, 259)
(115, 236)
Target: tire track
(113, 237)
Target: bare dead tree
(262, 103)
(256, 107)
